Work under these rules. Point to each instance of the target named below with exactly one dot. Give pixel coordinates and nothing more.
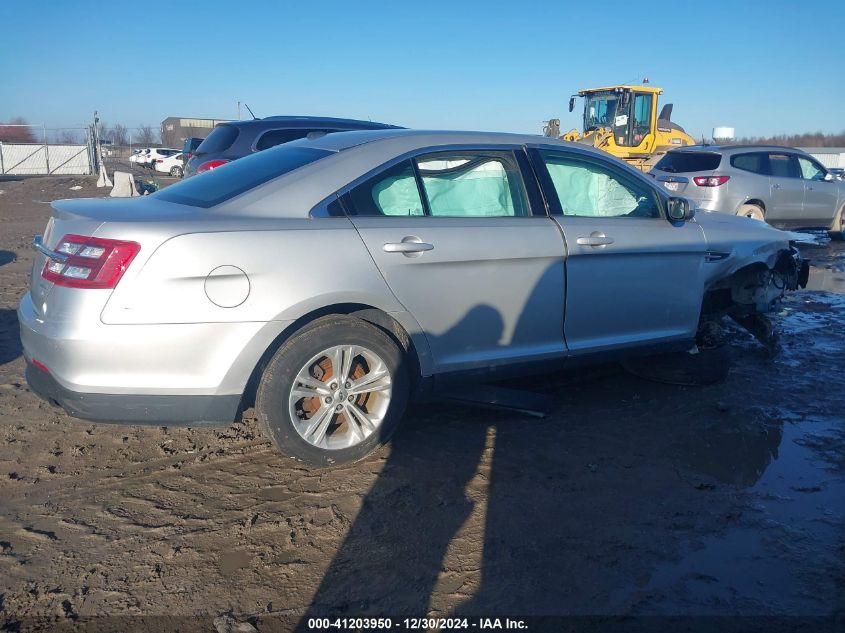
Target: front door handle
(410, 246)
(596, 238)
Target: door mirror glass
(679, 209)
(571, 103)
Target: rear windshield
(277, 137)
(191, 144)
(218, 185)
(681, 162)
(220, 139)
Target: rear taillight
(710, 181)
(159, 160)
(211, 164)
(92, 262)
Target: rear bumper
(163, 410)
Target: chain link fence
(37, 150)
(29, 150)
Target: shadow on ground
(10, 340)
(7, 257)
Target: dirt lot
(632, 498)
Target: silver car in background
(784, 186)
(326, 281)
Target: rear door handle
(596, 238)
(776, 186)
(410, 246)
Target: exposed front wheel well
(374, 316)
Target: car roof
(737, 148)
(306, 121)
(351, 155)
(415, 139)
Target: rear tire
(334, 392)
(176, 171)
(752, 211)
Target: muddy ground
(631, 498)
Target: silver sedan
(328, 281)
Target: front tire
(752, 211)
(837, 232)
(334, 392)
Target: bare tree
(68, 137)
(16, 134)
(119, 135)
(808, 139)
(102, 130)
(146, 135)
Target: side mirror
(828, 177)
(680, 210)
(571, 103)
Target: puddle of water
(780, 560)
(826, 279)
(827, 266)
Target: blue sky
(761, 67)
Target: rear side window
(472, 185)
(465, 184)
(218, 185)
(783, 166)
(682, 162)
(755, 162)
(393, 192)
(277, 137)
(220, 139)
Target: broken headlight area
(748, 294)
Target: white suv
(155, 153)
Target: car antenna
(255, 118)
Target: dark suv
(190, 146)
(236, 139)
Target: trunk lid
(86, 216)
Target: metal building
(174, 129)
(827, 156)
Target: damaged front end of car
(748, 288)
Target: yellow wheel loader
(623, 121)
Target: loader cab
(629, 113)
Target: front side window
(600, 110)
(810, 170)
(783, 166)
(588, 189)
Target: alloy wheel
(340, 397)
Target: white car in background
(149, 159)
(138, 155)
(173, 165)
